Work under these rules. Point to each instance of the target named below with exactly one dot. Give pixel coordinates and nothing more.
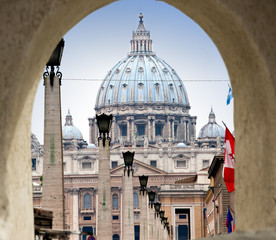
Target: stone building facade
(150, 109)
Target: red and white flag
(229, 161)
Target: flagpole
(224, 124)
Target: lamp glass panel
(143, 181)
(151, 196)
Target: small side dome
(211, 129)
(69, 131)
(181, 145)
(91, 145)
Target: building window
(33, 164)
(135, 200)
(205, 163)
(181, 164)
(114, 164)
(153, 163)
(86, 165)
(115, 203)
(86, 218)
(124, 130)
(115, 217)
(87, 229)
(182, 216)
(115, 237)
(87, 201)
(141, 130)
(158, 130)
(64, 166)
(136, 232)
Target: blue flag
(228, 221)
(229, 96)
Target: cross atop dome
(141, 17)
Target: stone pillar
(132, 128)
(172, 129)
(104, 226)
(114, 139)
(153, 129)
(97, 209)
(152, 227)
(128, 129)
(53, 185)
(188, 131)
(194, 126)
(149, 128)
(127, 210)
(169, 126)
(75, 214)
(90, 122)
(157, 225)
(143, 215)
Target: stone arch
(244, 33)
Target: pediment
(139, 168)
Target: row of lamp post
(158, 225)
(153, 224)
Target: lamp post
(157, 207)
(151, 198)
(104, 224)
(152, 226)
(53, 181)
(143, 208)
(128, 215)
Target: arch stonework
(243, 31)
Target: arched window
(115, 203)
(116, 237)
(135, 200)
(87, 201)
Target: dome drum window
(124, 85)
(140, 85)
(158, 129)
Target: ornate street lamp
(128, 159)
(161, 214)
(157, 207)
(143, 182)
(55, 60)
(151, 198)
(104, 124)
(164, 220)
(168, 229)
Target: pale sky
(102, 39)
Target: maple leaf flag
(229, 157)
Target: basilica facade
(150, 109)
